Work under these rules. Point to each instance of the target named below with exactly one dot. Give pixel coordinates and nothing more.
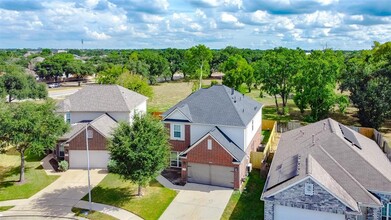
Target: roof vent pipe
(313, 139)
(232, 91)
(324, 125)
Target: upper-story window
(68, 117)
(386, 212)
(90, 134)
(177, 132)
(209, 144)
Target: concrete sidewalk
(109, 210)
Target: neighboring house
(98, 109)
(327, 171)
(212, 133)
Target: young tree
(141, 150)
(110, 75)
(237, 71)
(31, 126)
(197, 61)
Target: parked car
(54, 85)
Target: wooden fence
(257, 158)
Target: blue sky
(257, 24)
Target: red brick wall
(178, 145)
(98, 142)
(218, 155)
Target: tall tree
(276, 70)
(157, 65)
(30, 126)
(175, 59)
(315, 86)
(237, 71)
(368, 79)
(135, 83)
(197, 62)
(141, 150)
(19, 85)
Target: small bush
(111, 166)
(63, 166)
(214, 82)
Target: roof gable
(102, 98)
(217, 105)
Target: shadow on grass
(113, 196)
(10, 172)
(249, 205)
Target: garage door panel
(222, 176)
(285, 212)
(210, 174)
(78, 159)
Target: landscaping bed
(93, 215)
(121, 193)
(247, 204)
(173, 175)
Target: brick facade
(179, 145)
(294, 196)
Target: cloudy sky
(257, 24)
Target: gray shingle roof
(103, 124)
(217, 105)
(101, 98)
(225, 142)
(357, 171)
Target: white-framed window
(386, 212)
(68, 117)
(90, 134)
(175, 160)
(209, 144)
(177, 132)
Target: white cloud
(230, 19)
(96, 35)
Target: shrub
(111, 166)
(214, 82)
(63, 165)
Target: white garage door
(211, 174)
(98, 159)
(285, 212)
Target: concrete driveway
(196, 201)
(57, 199)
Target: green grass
(246, 204)
(35, 177)
(266, 135)
(5, 208)
(120, 193)
(93, 215)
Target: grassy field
(120, 193)
(93, 215)
(36, 178)
(246, 204)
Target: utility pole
(88, 170)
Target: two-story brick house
(212, 133)
(96, 109)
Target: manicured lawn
(36, 178)
(5, 208)
(246, 205)
(93, 215)
(120, 193)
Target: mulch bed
(54, 164)
(173, 175)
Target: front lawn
(93, 215)
(120, 193)
(246, 204)
(35, 176)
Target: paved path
(109, 210)
(57, 199)
(196, 201)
